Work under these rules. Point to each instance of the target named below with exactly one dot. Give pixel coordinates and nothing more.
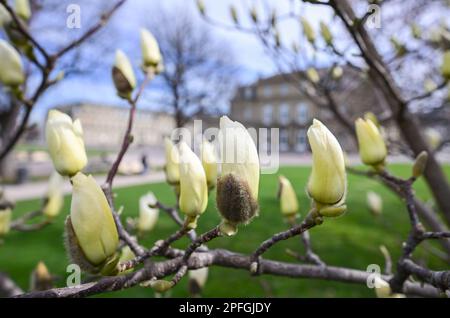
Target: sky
(124, 31)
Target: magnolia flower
(193, 186)
(65, 143)
(326, 33)
(237, 187)
(5, 221)
(172, 168)
(372, 148)
(91, 230)
(147, 215)
(445, 67)
(197, 279)
(375, 203)
(55, 197)
(11, 68)
(288, 198)
(123, 75)
(209, 162)
(151, 55)
(308, 31)
(22, 8)
(327, 184)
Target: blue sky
(124, 28)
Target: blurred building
(275, 102)
(104, 126)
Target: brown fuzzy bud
(234, 200)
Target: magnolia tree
(99, 243)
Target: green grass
(352, 240)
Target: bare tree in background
(198, 66)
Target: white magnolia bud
(238, 185)
(172, 168)
(92, 222)
(22, 8)
(308, 31)
(65, 143)
(337, 72)
(312, 75)
(5, 17)
(151, 55)
(375, 203)
(383, 290)
(433, 137)
(288, 198)
(372, 148)
(123, 75)
(5, 221)
(148, 215)
(326, 33)
(55, 196)
(209, 162)
(11, 68)
(198, 278)
(193, 186)
(328, 182)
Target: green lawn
(351, 240)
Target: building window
(284, 113)
(284, 140)
(284, 89)
(267, 91)
(300, 141)
(302, 113)
(247, 113)
(248, 94)
(267, 114)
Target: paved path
(34, 190)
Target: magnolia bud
(41, 278)
(416, 31)
(328, 182)
(372, 148)
(308, 31)
(193, 186)
(65, 143)
(55, 198)
(90, 228)
(5, 17)
(288, 198)
(383, 289)
(22, 8)
(201, 7)
(126, 254)
(151, 56)
(254, 14)
(429, 85)
(161, 286)
(373, 118)
(312, 75)
(375, 203)
(445, 67)
(209, 162)
(337, 72)
(234, 15)
(237, 187)
(331, 212)
(400, 48)
(148, 215)
(197, 280)
(433, 137)
(420, 164)
(123, 75)
(11, 68)
(326, 33)
(5, 220)
(172, 168)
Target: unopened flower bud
(288, 198)
(375, 203)
(123, 75)
(416, 31)
(11, 68)
(5, 17)
(433, 137)
(400, 48)
(148, 214)
(151, 55)
(328, 182)
(373, 118)
(92, 237)
(308, 31)
(234, 14)
(201, 7)
(126, 254)
(22, 8)
(41, 279)
(5, 220)
(372, 148)
(197, 280)
(209, 162)
(238, 185)
(326, 33)
(420, 164)
(254, 14)
(55, 197)
(65, 143)
(193, 186)
(429, 85)
(161, 286)
(312, 75)
(337, 72)
(383, 289)
(172, 168)
(445, 67)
